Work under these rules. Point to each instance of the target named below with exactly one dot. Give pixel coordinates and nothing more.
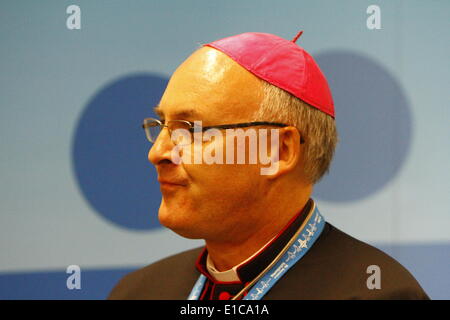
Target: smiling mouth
(170, 184)
(167, 182)
(167, 185)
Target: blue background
(76, 186)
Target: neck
(231, 252)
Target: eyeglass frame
(192, 126)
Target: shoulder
(169, 278)
(339, 266)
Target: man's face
(201, 200)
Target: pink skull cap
(282, 63)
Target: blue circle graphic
(374, 124)
(110, 152)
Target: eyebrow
(181, 114)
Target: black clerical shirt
(335, 267)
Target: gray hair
(316, 127)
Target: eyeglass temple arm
(239, 125)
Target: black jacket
(334, 268)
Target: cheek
(215, 181)
(221, 154)
(222, 182)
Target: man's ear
(289, 152)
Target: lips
(173, 182)
(170, 185)
(168, 178)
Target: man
(264, 235)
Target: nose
(161, 148)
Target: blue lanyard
(311, 231)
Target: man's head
(220, 201)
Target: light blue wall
(76, 187)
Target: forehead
(211, 86)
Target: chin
(178, 223)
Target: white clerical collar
(230, 275)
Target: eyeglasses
(153, 128)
